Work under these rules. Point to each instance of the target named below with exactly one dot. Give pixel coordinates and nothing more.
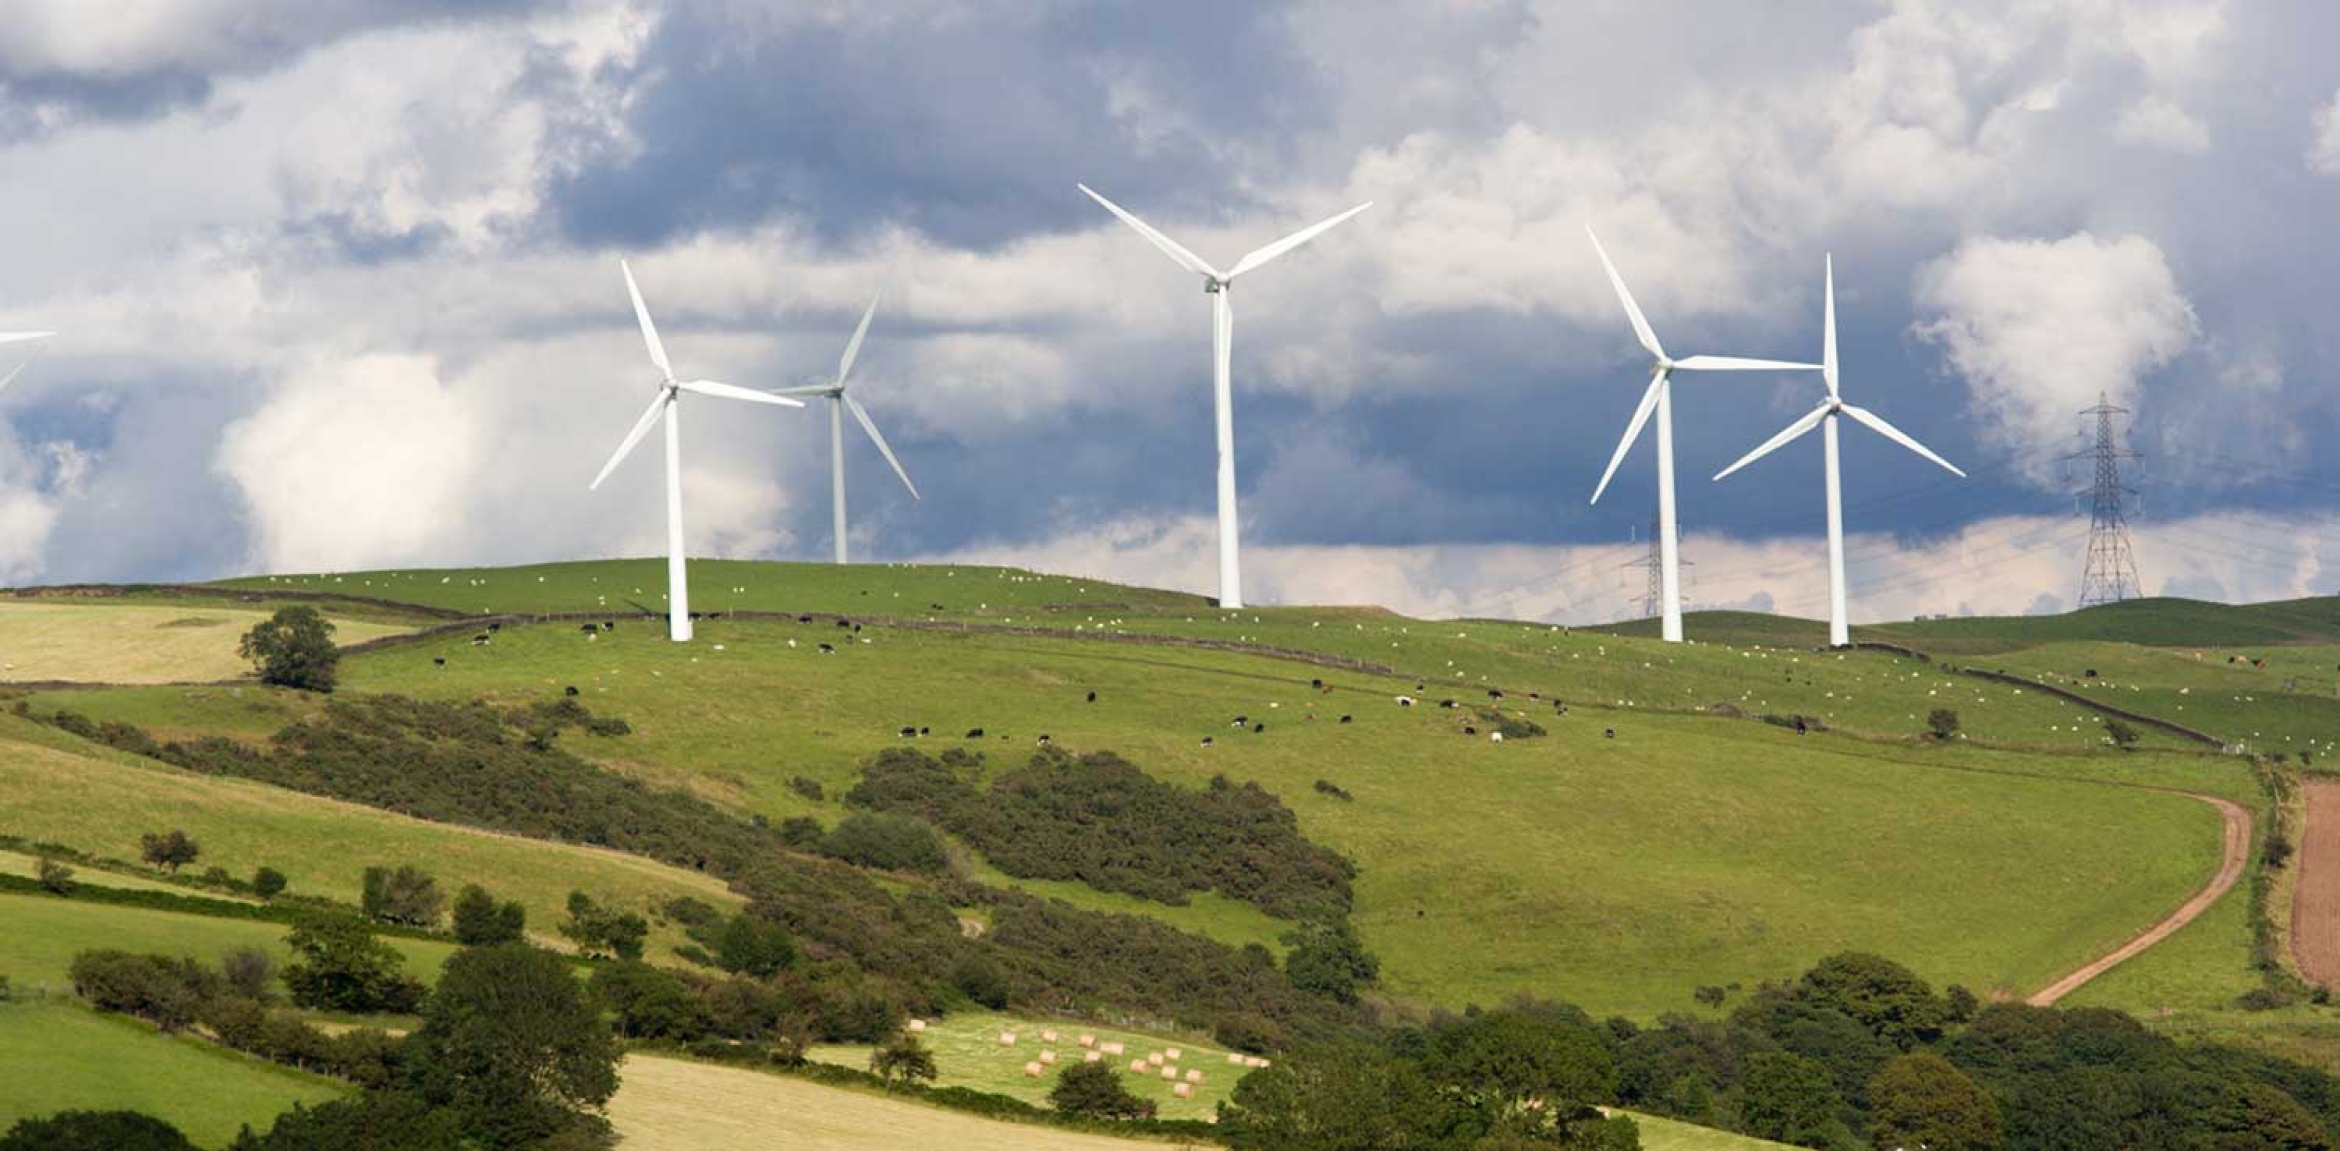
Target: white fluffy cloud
(2038, 328)
(2154, 122)
(2323, 155)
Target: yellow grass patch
(135, 643)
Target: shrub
(2120, 733)
(1330, 960)
(249, 972)
(293, 648)
(407, 896)
(807, 787)
(268, 883)
(649, 1002)
(53, 875)
(94, 1131)
(1328, 787)
(1942, 723)
(752, 945)
(480, 921)
(170, 850)
(1095, 1090)
(2278, 850)
(978, 977)
(166, 992)
(344, 968)
(888, 841)
(902, 1059)
(604, 931)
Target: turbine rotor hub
(1212, 285)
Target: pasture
(968, 1053)
(44, 933)
(99, 641)
(61, 1057)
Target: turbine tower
(1659, 398)
(2110, 573)
(839, 404)
(667, 403)
(1217, 285)
(1839, 628)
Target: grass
(28, 867)
(59, 1057)
(968, 1053)
(44, 933)
(1661, 1134)
(110, 642)
(55, 789)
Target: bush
(978, 977)
(249, 972)
(374, 1121)
(903, 1060)
(344, 968)
(887, 841)
(808, 788)
(1330, 960)
(166, 992)
(480, 921)
(1328, 787)
(1095, 1090)
(268, 883)
(293, 648)
(648, 1002)
(1942, 723)
(407, 896)
(170, 850)
(754, 946)
(604, 931)
(94, 1131)
(52, 874)
(2120, 733)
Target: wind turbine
(1659, 398)
(1216, 285)
(839, 404)
(668, 403)
(20, 338)
(1839, 630)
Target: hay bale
(918, 1025)
(1048, 1036)
(1139, 1067)
(1007, 1038)
(1088, 1041)
(1154, 1057)
(1113, 1048)
(1173, 1054)
(1183, 1091)
(1093, 1057)
(1169, 1072)
(1032, 1070)
(1194, 1076)
(1048, 1057)
(1235, 1057)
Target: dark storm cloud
(971, 128)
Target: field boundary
(245, 595)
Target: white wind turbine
(1216, 285)
(668, 403)
(839, 404)
(20, 338)
(1659, 398)
(1839, 629)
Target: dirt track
(2315, 904)
(2236, 857)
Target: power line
(2109, 574)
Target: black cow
(589, 629)
(974, 733)
(438, 661)
(570, 690)
(1092, 697)
(1469, 730)
(828, 650)
(1344, 719)
(1609, 733)
(909, 732)
(1258, 728)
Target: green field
(58, 790)
(968, 1053)
(60, 1057)
(44, 933)
(110, 642)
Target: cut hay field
(101, 641)
(61, 1057)
(56, 789)
(1617, 872)
(43, 933)
(968, 1053)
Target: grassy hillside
(59, 1057)
(44, 933)
(55, 789)
(104, 641)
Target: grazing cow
(495, 627)
(1469, 730)
(1043, 740)
(974, 733)
(1206, 741)
(922, 730)
(2092, 673)
(1092, 697)
(1446, 705)
(936, 607)
(827, 649)
(804, 619)
(1493, 693)
(857, 629)
(1800, 728)
(843, 622)
(479, 640)
(590, 629)
(570, 690)
(1316, 684)
(1240, 721)
(438, 661)
(1258, 729)
(1344, 719)
(609, 625)
(909, 732)
(1405, 701)
(1496, 736)
(1609, 733)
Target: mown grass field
(61, 1057)
(968, 1053)
(56, 789)
(108, 642)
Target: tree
(407, 896)
(1095, 1090)
(754, 946)
(903, 1059)
(1523, 1071)
(52, 874)
(648, 1002)
(249, 973)
(1942, 723)
(1329, 960)
(602, 931)
(94, 1131)
(344, 968)
(1349, 1096)
(374, 1121)
(1789, 1098)
(510, 1044)
(170, 850)
(978, 977)
(2120, 733)
(1887, 998)
(1920, 1100)
(480, 921)
(293, 648)
(268, 883)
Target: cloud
(2038, 328)
(2323, 155)
(2156, 123)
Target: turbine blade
(1170, 248)
(642, 428)
(1741, 364)
(649, 330)
(853, 347)
(1828, 331)
(20, 337)
(870, 426)
(1649, 401)
(1260, 257)
(1641, 330)
(803, 390)
(21, 365)
(1809, 421)
(733, 392)
(1877, 424)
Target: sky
(337, 287)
